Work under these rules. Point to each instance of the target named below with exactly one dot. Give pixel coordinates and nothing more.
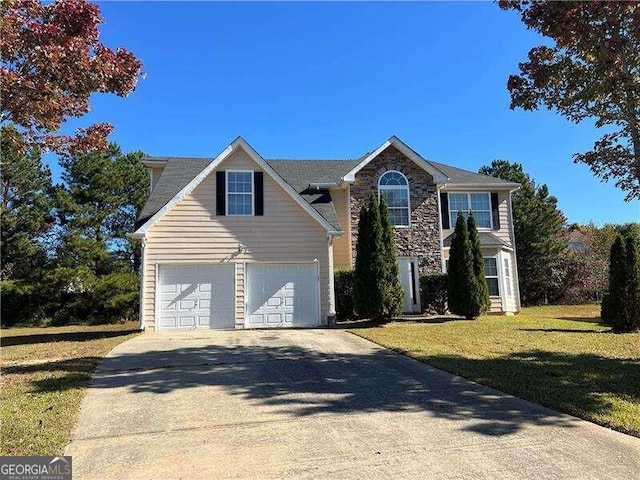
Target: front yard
(45, 372)
(557, 356)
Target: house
(239, 241)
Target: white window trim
(468, 194)
(398, 187)
(227, 193)
(496, 276)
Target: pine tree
(463, 288)
(366, 292)
(538, 228)
(616, 305)
(482, 290)
(25, 207)
(633, 286)
(392, 289)
(361, 273)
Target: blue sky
(335, 80)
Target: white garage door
(282, 296)
(196, 296)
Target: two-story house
(239, 241)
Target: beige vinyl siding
(496, 305)
(342, 244)
(504, 232)
(192, 233)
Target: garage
(196, 296)
(282, 295)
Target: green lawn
(557, 356)
(45, 372)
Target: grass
(558, 356)
(45, 372)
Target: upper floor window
(239, 192)
(477, 203)
(395, 188)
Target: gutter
(512, 187)
(319, 186)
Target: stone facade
(422, 239)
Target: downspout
(515, 274)
(331, 314)
(442, 262)
(143, 268)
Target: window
(395, 188)
(491, 274)
(507, 276)
(478, 203)
(239, 193)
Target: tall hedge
(464, 290)
(614, 307)
(482, 291)
(633, 286)
(621, 304)
(377, 291)
(369, 266)
(393, 294)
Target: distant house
(240, 241)
(577, 241)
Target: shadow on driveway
(301, 382)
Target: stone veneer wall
(422, 239)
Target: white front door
(282, 295)
(409, 279)
(196, 296)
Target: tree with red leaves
(52, 60)
(592, 70)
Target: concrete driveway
(318, 404)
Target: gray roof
(487, 239)
(300, 173)
(176, 175)
(460, 176)
(297, 173)
(179, 171)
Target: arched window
(395, 187)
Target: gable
(246, 154)
(436, 173)
(195, 215)
(393, 159)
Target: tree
(25, 210)
(633, 286)
(615, 306)
(482, 291)
(392, 294)
(598, 242)
(592, 70)
(463, 289)
(377, 290)
(367, 293)
(52, 60)
(98, 204)
(538, 228)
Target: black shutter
(221, 194)
(258, 193)
(494, 211)
(444, 210)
